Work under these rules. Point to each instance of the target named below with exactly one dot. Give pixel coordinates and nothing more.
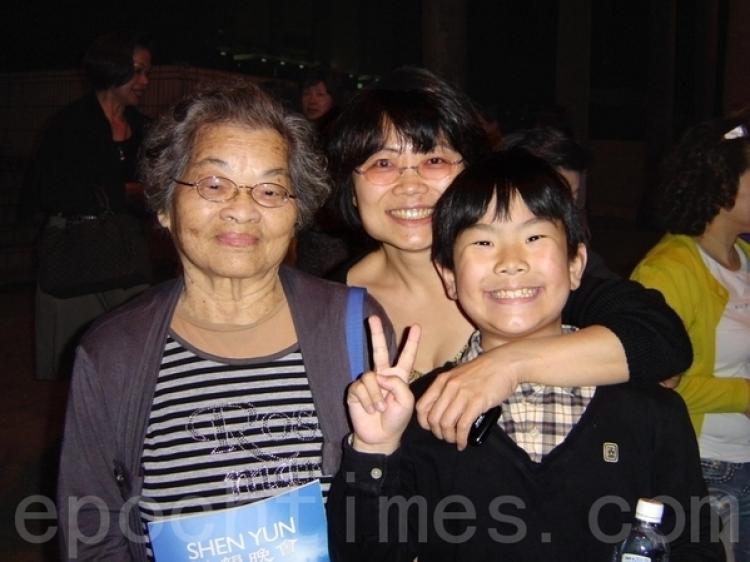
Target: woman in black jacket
(83, 167)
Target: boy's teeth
(514, 294)
(412, 214)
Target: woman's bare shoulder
(368, 272)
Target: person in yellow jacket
(702, 267)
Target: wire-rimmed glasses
(220, 190)
(384, 171)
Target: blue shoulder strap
(355, 320)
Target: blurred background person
(319, 100)
(702, 267)
(238, 342)
(488, 115)
(326, 242)
(84, 166)
(572, 161)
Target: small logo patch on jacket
(610, 452)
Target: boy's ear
(449, 281)
(577, 265)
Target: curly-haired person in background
(702, 267)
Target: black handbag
(91, 254)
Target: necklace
(121, 152)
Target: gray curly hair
(167, 148)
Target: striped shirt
(226, 432)
(538, 417)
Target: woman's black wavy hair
(701, 174)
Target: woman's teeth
(412, 214)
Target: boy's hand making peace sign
(380, 402)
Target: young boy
(559, 474)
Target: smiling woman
(223, 387)
(237, 240)
(393, 154)
(394, 150)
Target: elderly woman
(225, 386)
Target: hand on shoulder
(457, 397)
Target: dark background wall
(504, 52)
(626, 76)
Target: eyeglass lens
(383, 172)
(222, 189)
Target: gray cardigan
(114, 376)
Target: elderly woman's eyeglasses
(220, 190)
(385, 171)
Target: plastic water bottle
(645, 543)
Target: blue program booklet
(290, 527)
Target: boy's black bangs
(537, 196)
(542, 199)
(533, 191)
(464, 203)
(503, 192)
(501, 177)
(532, 180)
(480, 185)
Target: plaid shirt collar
(536, 416)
